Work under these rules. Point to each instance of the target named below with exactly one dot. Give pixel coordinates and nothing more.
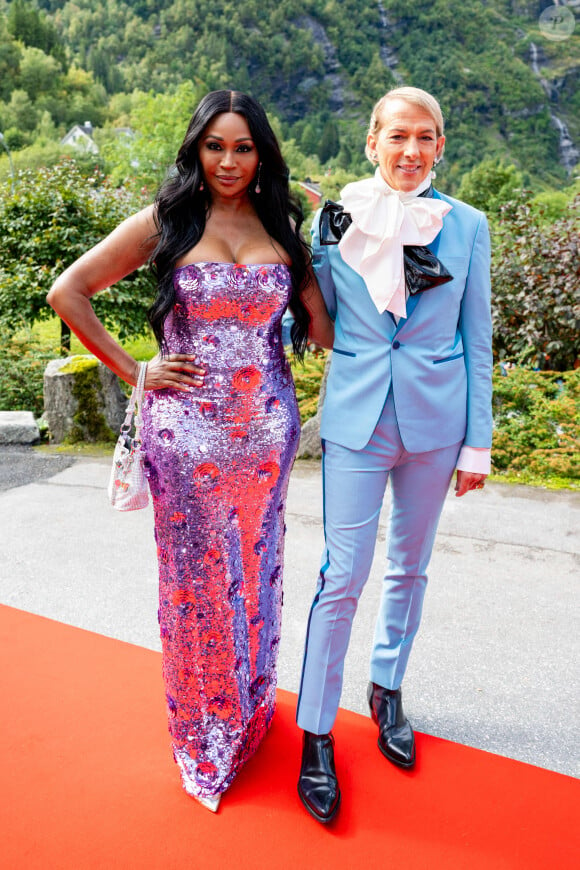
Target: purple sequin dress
(218, 461)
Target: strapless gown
(218, 460)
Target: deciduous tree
(53, 216)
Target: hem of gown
(187, 765)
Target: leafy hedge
(535, 280)
(536, 420)
(536, 414)
(22, 364)
(307, 378)
(537, 423)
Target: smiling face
(228, 156)
(406, 144)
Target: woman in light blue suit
(404, 271)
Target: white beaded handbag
(128, 488)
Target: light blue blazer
(437, 360)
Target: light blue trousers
(354, 483)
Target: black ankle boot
(396, 738)
(317, 785)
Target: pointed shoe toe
(321, 802)
(318, 787)
(396, 739)
(399, 748)
(210, 803)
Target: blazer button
(396, 345)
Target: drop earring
(201, 185)
(257, 188)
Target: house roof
(81, 137)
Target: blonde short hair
(411, 95)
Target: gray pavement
(495, 664)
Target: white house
(81, 138)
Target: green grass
(97, 449)
(528, 479)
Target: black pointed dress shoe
(396, 739)
(317, 784)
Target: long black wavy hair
(181, 209)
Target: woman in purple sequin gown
(220, 419)
(218, 467)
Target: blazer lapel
(412, 302)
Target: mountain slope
(506, 89)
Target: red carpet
(88, 782)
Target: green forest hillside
(508, 91)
